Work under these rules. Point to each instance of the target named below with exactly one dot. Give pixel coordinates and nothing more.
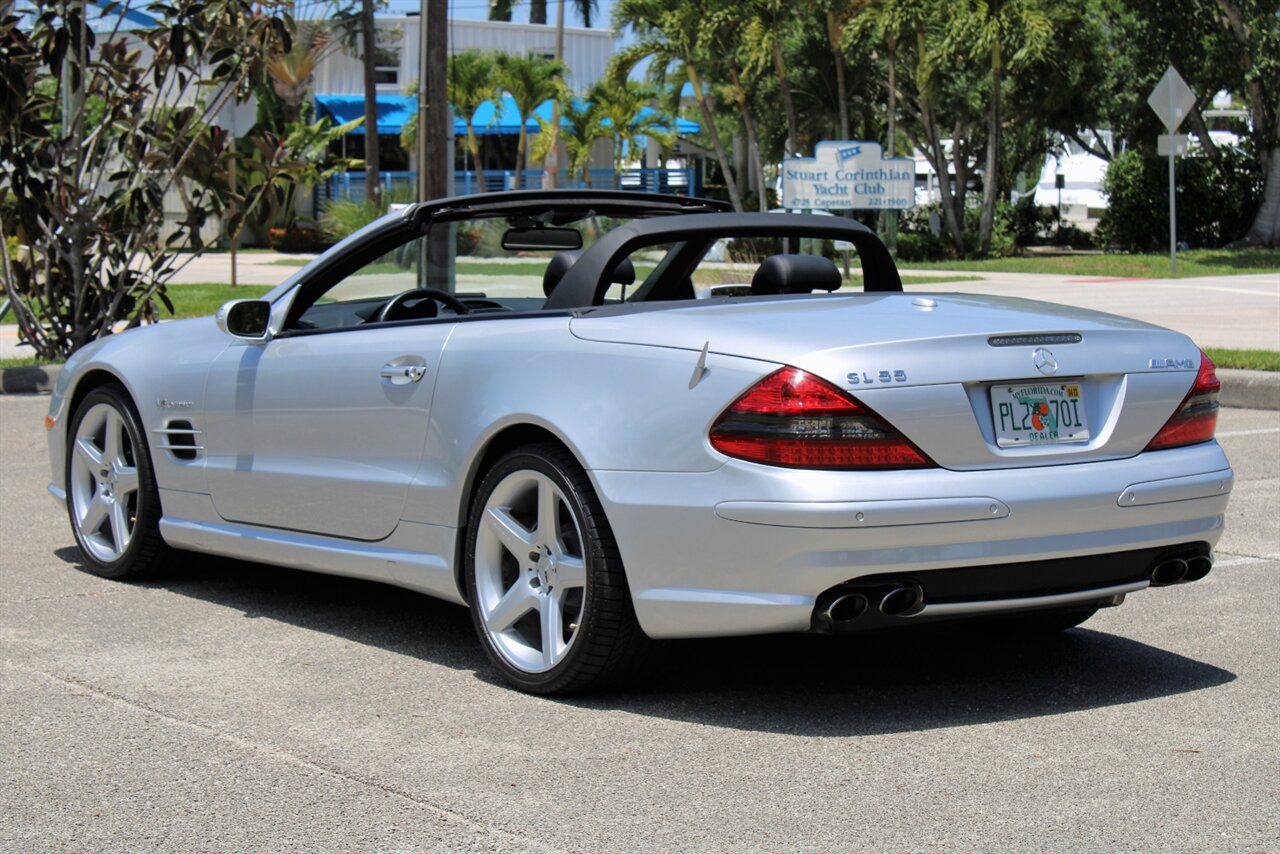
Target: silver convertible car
(602, 419)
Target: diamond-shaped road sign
(1172, 99)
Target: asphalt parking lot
(236, 707)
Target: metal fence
(401, 186)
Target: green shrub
(341, 218)
(1033, 224)
(299, 237)
(1216, 201)
(11, 247)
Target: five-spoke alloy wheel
(111, 492)
(548, 595)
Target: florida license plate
(1040, 414)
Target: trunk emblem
(1044, 361)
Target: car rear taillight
(1197, 417)
(791, 418)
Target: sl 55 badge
(868, 378)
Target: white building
(586, 51)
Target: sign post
(1172, 100)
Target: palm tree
(990, 27)
(530, 80)
(501, 10)
(725, 20)
(625, 105)
(673, 34)
(291, 74)
(767, 26)
(471, 83)
(580, 127)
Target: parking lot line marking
(1231, 433)
(1243, 561)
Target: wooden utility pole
(435, 138)
(368, 59)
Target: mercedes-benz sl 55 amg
(601, 419)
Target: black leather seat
(623, 274)
(795, 274)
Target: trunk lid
(937, 366)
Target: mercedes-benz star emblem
(1044, 361)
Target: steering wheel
(395, 308)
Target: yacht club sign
(850, 175)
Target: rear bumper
(748, 549)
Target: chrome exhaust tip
(1169, 572)
(1198, 567)
(846, 608)
(902, 602)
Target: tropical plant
(1005, 31)
(674, 36)
(625, 110)
(86, 200)
(501, 10)
(580, 127)
(530, 80)
(271, 168)
(471, 83)
(764, 33)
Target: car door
(321, 428)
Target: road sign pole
(1173, 205)
(1173, 219)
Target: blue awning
(395, 110)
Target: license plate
(1040, 414)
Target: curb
(1240, 389)
(1250, 389)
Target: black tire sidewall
(146, 536)
(545, 462)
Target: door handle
(401, 374)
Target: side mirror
(245, 318)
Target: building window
(386, 56)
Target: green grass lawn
(1199, 262)
(1249, 360)
(23, 362)
(205, 299)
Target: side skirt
(412, 557)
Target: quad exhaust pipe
(903, 598)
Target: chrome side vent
(179, 438)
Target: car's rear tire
(112, 499)
(549, 598)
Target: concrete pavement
(228, 706)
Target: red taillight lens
(791, 418)
(1197, 417)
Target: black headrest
(795, 274)
(623, 274)
(557, 267)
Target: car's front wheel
(111, 490)
(548, 595)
